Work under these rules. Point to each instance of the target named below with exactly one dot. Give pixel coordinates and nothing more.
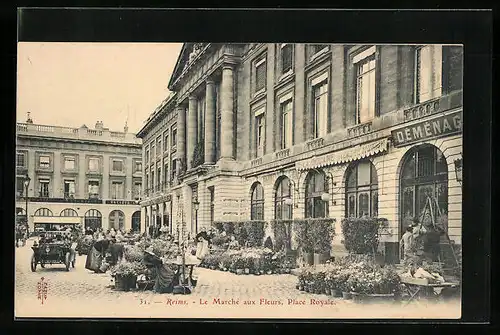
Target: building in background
(78, 175)
(285, 131)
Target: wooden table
(190, 266)
(420, 287)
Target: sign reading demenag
(437, 127)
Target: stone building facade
(277, 131)
(80, 175)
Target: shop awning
(57, 219)
(344, 156)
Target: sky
(70, 84)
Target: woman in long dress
(96, 255)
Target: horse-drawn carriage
(52, 249)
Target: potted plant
(125, 274)
(321, 233)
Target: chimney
(125, 129)
(29, 120)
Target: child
(406, 242)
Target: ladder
(446, 247)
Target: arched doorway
(116, 220)
(21, 216)
(316, 186)
(43, 212)
(423, 181)
(257, 202)
(93, 219)
(283, 195)
(136, 221)
(361, 190)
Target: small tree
(361, 235)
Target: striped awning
(344, 156)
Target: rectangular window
(137, 190)
(320, 108)
(147, 183)
(147, 156)
(365, 88)
(158, 178)
(316, 48)
(69, 189)
(260, 75)
(166, 180)
(174, 137)
(44, 188)
(286, 124)
(94, 189)
(174, 169)
(117, 190)
(94, 164)
(117, 165)
(153, 151)
(21, 159)
(165, 148)
(428, 68)
(69, 163)
(138, 166)
(286, 57)
(44, 162)
(260, 131)
(20, 186)
(160, 148)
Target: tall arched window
(43, 212)
(423, 181)
(93, 219)
(136, 221)
(361, 190)
(282, 210)
(68, 212)
(116, 219)
(257, 202)
(316, 185)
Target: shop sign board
(437, 127)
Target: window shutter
(260, 76)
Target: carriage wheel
(67, 261)
(73, 262)
(33, 263)
(42, 265)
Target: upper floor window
(165, 146)
(174, 169)
(147, 156)
(137, 190)
(286, 123)
(138, 166)
(153, 151)
(117, 165)
(365, 85)
(428, 69)
(260, 69)
(44, 188)
(315, 50)
(117, 190)
(93, 164)
(320, 106)
(159, 150)
(44, 161)
(260, 130)
(174, 137)
(69, 163)
(21, 159)
(286, 58)
(69, 189)
(93, 189)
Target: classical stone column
(192, 129)
(227, 115)
(210, 122)
(181, 138)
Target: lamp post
(27, 181)
(196, 205)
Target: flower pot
(123, 283)
(132, 282)
(327, 291)
(321, 258)
(239, 271)
(335, 293)
(247, 271)
(308, 258)
(212, 267)
(358, 297)
(269, 272)
(347, 295)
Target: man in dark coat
(116, 251)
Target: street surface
(83, 294)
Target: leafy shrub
(133, 253)
(282, 230)
(126, 268)
(251, 232)
(361, 235)
(314, 235)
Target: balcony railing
(359, 129)
(283, 153)
(315, 144)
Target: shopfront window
(282, 209)
(316, 185)
(361, 190)
(257, 203)
(424, 186)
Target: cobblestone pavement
(81, 293)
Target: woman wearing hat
(96, 255)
